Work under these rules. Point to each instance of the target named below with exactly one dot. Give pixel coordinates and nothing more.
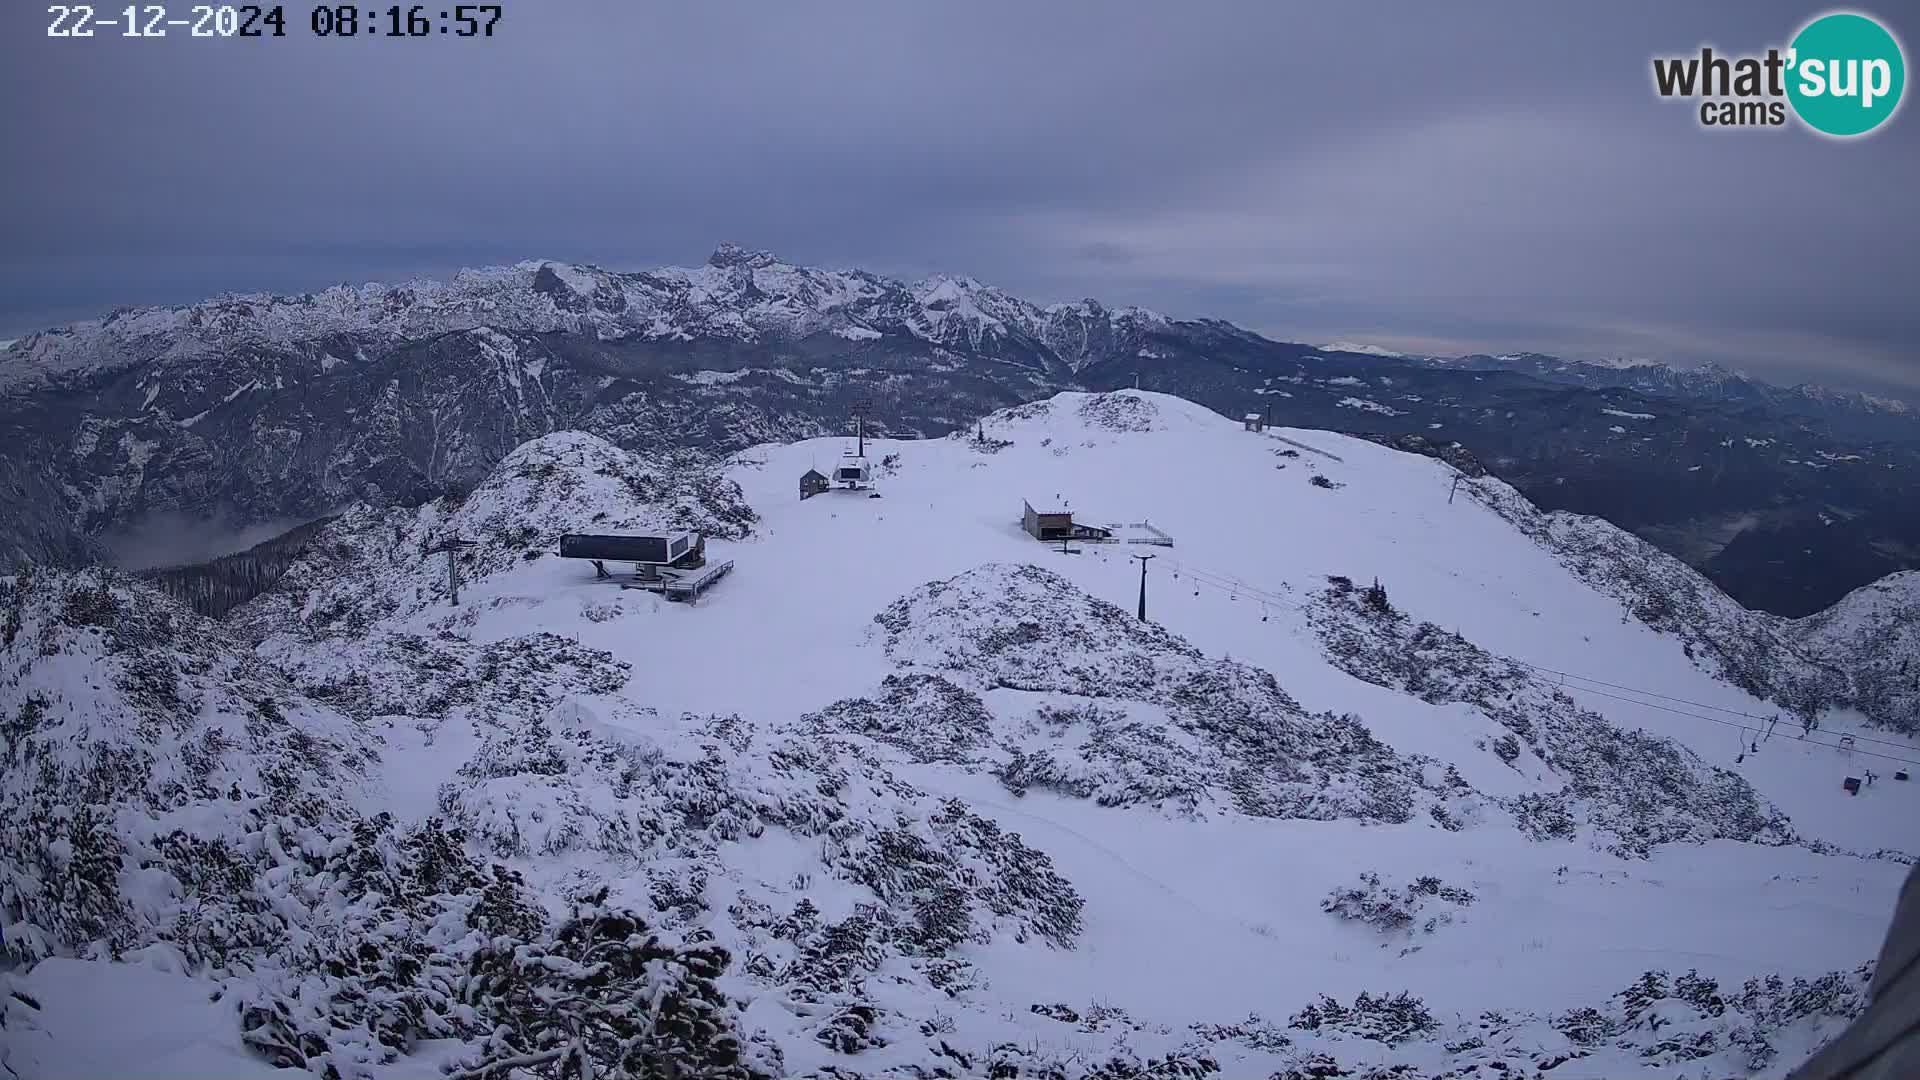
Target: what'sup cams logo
(1843, 76)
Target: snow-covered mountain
(739, 295)
(1403, 776)
(154, 434)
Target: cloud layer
(1431, 177)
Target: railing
(1159, 538)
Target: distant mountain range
(244, 410)
(1853, 411)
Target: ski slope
(791, 630)
(1194, 921)
(799, 609)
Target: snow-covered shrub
(923, 714)
(983, 444)
(1385, 1019)
(1119, 411)
(830, 960)
(185, 796)
(1545, 817)
(387, 920)
(1658, 1026)
(1390, 909)
(1507, 748)
(934, 873)
(1117, 760)
(1636, 789)
(137, 717)
(1665, 1021)
(852, 1030)
(1021, 627)
(1254, 1032)
(605, 996)
(1016, 1062)
(404, 674)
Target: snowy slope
(1031, 833)
(1875, 631)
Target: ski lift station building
(683, 550)
(1057, 523)
(674, 564)
(853, 470)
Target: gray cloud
(1458, 177)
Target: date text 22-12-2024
(256, 21)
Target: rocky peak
(729, 255)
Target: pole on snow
(1143, 585)
(451, 548)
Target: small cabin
(1052, 524)
(1255, 422)
(813, 482)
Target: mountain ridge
(749, 293)
(254, 409)
(741, 294)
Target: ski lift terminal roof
(1056, 504)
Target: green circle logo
(1845, 74)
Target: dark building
(813, 482)
(683, 550)
(1255, 422)
(1047, 524)
(1058, 525)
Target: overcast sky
(1447, 178)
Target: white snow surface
(1357, 347)
(1368, 405)
(1190, 918)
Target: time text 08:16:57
(253, 21)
